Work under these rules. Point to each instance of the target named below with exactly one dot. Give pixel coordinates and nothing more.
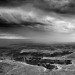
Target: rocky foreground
(33, 59)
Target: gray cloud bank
(38, 25)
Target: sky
(50, 27)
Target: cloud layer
(56, 28)
(49, 21)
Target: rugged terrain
(37, 59)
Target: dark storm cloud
(36, 23)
